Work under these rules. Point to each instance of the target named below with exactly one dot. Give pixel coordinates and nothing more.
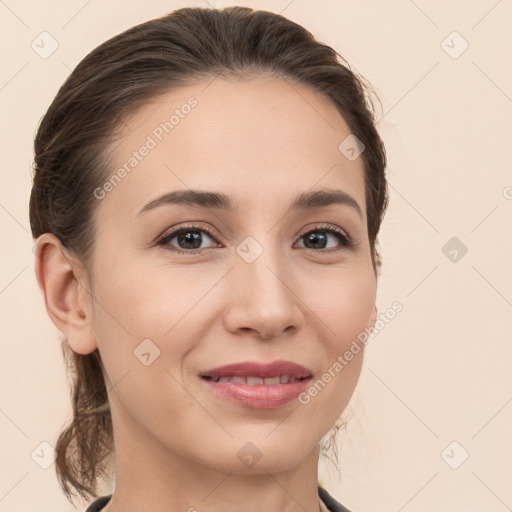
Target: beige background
(440, 371)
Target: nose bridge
(262, 292)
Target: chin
(259, 456)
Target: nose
(263, 298)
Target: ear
(62, 281)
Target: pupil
(315, 238)
(191, 237)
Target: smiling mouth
(255, 392)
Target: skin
(261, 142)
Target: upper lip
(255, 369)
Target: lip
(259, 396)
(263, 370)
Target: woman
(208, 191)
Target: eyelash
(346, 242)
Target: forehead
(255, 139)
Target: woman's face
(257, 283)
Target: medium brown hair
(111, 83)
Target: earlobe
(58, 278)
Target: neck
(152, 477)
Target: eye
(318, 238)
(188, 238)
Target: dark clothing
(99, 504)
(329, 501)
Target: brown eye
(319, 238)
(188, 239)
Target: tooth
(254, 380)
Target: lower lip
(259, 396)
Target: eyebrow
(198, 198)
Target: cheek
(142, 309)
(345, 305)
(343, 309)
(140, 299)
(138, 327)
